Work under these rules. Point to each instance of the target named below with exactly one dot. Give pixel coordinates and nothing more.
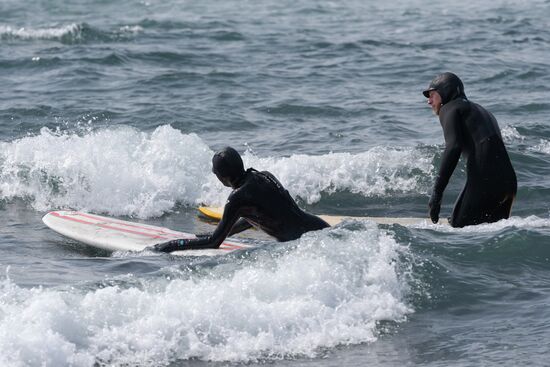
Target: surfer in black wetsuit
(258, 199)
(471, 130)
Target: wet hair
(228, 163)
(448, 85)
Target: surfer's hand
(435, 206)
(205, 234)
(174, 245)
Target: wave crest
(124, 171)
(68, 34)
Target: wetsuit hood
(228, 166)
(448, 85)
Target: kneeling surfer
(258, 199)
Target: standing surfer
(472, 131)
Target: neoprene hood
(227, 163)
(448, 85)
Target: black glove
(435, 206)
(202, 235)
(174, 245)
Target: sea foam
(542, 147)
(329, 288)
(379, 171)
(52, 33)
(115, 171)
(530, 222)
(123, 171)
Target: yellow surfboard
(216, 213)
(211, 212)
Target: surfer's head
(228, 166)
(448, 86)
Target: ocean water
(116, 107)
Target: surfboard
(216, 213)
(119, 235)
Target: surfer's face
(224, 180)
(434, 100)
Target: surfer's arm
(450, 122)
(453, 148)
(240, 226)
(229, 219)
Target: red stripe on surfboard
(120, 223)
(71, 218)
(232, 246)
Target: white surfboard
(120, 235)
(215, 213)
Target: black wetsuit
(260, 201)
(491, 184)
